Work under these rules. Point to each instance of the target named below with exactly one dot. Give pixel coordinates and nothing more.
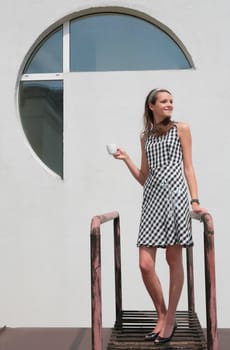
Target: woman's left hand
(197, 209)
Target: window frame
(65, 24)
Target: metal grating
(135, 324)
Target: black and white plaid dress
(165, 216)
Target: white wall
(44, 254)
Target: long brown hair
(150, 126)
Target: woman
(165, 218)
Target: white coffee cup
(111, 148)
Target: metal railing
(95, 247)
(210, 278)
(210, 281)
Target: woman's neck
(158, 120)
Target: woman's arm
(139, 174)
(186, 143)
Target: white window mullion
(42, 76)
(66, 47)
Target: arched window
(41, 100)
(41, 109)
(96, 42)
(110, 42)
(48, 55)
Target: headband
(152, 94)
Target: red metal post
(210, 279)
(190, 279)
(117, 261)
(95, 247)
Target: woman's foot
(156, 331)
(151, 336)
(166, 337)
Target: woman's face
(163, 106)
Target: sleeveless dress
(165, 216)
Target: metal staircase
(131, 326)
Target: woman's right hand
(137, 173)
(121, 154)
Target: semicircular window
(110, 42)
(41, 109)
(41, 100)
(96, 42)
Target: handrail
(210, 278)
(210, 281)
(95, 246)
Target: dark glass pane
(110, 42)
(41, 109)
(48, 57)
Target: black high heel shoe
(162, 340)
(151, 336)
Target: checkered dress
(165, 217)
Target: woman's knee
(146, 261)
(145, 265)
(174, 256)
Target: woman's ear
(151, 106)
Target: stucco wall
(44, 254)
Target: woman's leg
(147, 258)
(175, 261)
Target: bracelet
(195, 201)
